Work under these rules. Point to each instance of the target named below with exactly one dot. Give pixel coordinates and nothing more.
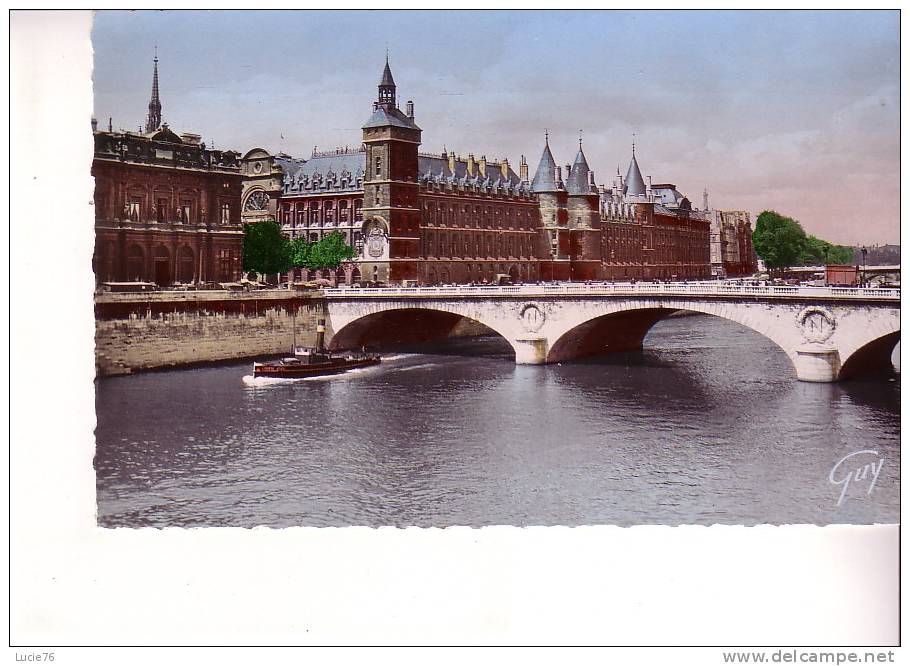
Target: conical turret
(634, 184)
(579, 181)
(545, 179)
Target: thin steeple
(154, 119)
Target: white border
(73, 583)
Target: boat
(313, 361)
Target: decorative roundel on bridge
(817, 324)
(532, 318)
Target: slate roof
(578, 182)
(545, 176)
(384, 117)
(387, 79)
(436, 170)
(634, 184)
(342, 172)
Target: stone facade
(167, 209)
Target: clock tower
(391, 212)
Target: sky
(796, 112)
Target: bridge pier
(531, 350)
(817, 364)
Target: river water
(707, 425)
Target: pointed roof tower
(387, 87)
(579, 181)
(634, 183)
(545, 177)
(154, 119)
(385, 108)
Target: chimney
(452, 161)
(482, 165)
(504, 167)
(591, 179)
(94, 124)
(411, 109)
(558, 174)
(110, 124)
(470, 164)
(649, 186)
(523, 169)
(568, 169)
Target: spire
(634, 184)
(578, 181)
(545, 178)
(387, 87)
(154, 119)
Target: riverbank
(154, 330)
(142, 331)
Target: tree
(300, 252)
(779, 240)
(329, 252)
(818, 251)
(265, 249)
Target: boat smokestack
(320, 335)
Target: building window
(343, 212)
(378, 170)
(133, 208)
(225, 213)
(185, 210)
(358, 211)
(161, 212)
(314, 213)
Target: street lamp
(864, 251)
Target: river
(707, 425)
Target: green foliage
(265, 249)
(818, 252)
(779, 240)
(324, 254)
(300, 252)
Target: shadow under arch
(872, 358)
(625, 331)
(405, 326)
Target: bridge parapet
(623, 289)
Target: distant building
(167, 210)
(446, 218)
(732, 252)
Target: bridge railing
(623, 289)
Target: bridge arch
(624, 326)
(871, 357)
(407, 325)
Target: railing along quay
(628, 289)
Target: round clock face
(257, 167)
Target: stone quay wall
(153, 330)
(161, 329)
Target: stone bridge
(828, 333)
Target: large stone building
(444, 218)
(732, 253)
(167, 209)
